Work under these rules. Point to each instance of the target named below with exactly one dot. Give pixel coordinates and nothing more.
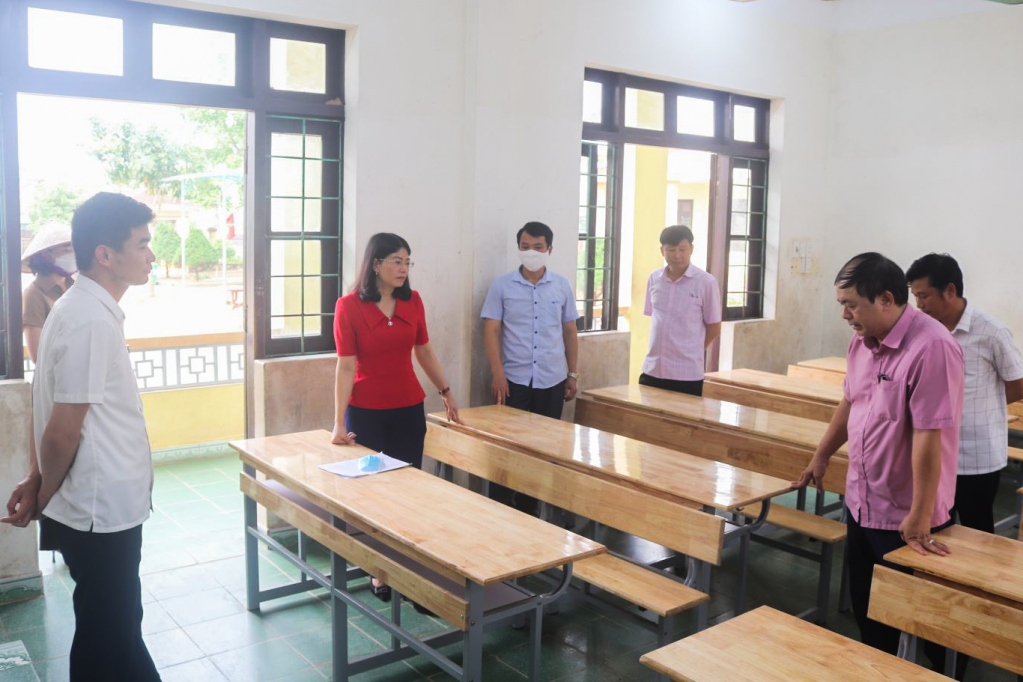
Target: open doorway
(661, 186)
(185, 328)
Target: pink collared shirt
(911, 380)
(681, 311)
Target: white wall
(926, 144)
(463, 121)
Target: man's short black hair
(536, 229)
(675, 235)
(105, 219)
(940, 269)
(872, 274)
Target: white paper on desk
(350, 467)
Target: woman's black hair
(381, 245)
(41, 264)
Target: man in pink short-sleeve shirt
(685, 305)
(902, 406)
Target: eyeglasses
(398, 262)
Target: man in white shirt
(685, 304)
(994, 377)
(94, 477)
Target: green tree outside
(56, 202)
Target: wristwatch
(444, 391)
(573, 375)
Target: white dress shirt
(83, 358)
(991, 359)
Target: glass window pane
(283, 327)
(695, 116)
(68, 41)
(740, 224)
(744, 123)
(644, 109)
(736, 255)
(736, 279)
(593, 99)
(735, 300)
(286, 257)
(740, 176)
(286, 144)
(313, 325)
(313, 290)
(193, 55)
(298, 65)
(285, 177)
(740, 198)
(313, 179)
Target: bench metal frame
(403, 643)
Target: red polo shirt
(384, 378)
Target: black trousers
(687, 387)
(108, 645)
(549, 402)
(975, 500)
(399, 432)
(865, 548)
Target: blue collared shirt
(532, 315)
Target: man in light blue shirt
(530, 330)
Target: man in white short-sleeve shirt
(94, 476)
(685, 304)
(994, 377)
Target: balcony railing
(183, 361)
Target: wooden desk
(829, 364)
(653, 469)
(767, 442)
(461, 536)
(775, 392)
(980, 563)
(765, 645)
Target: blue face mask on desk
(369, 463)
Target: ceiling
(854, 15)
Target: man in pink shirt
(900, 415)
(685, 304)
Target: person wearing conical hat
(50, 257)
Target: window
(68, 41)
(305, 233)
(732, 129)
(596, 250)
(744, 290)
(193, 55)
(288, 79)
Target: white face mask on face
(534, 261)
(66, 262)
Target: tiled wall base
(20, 589)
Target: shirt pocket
(552, 311)
(889, 401)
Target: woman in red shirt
(377, 327)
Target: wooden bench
(670, 420)
(765, 645)
(961, 620)
(693, 533)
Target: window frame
(250, 93)
(611, 129)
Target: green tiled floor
(198, 629)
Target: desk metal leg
(535, 630)
(339, 613)
(251, 549)
(472, 640)
(907, 647)
(702, 583)
(740, 604)
(801, 499)
(824, 582)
